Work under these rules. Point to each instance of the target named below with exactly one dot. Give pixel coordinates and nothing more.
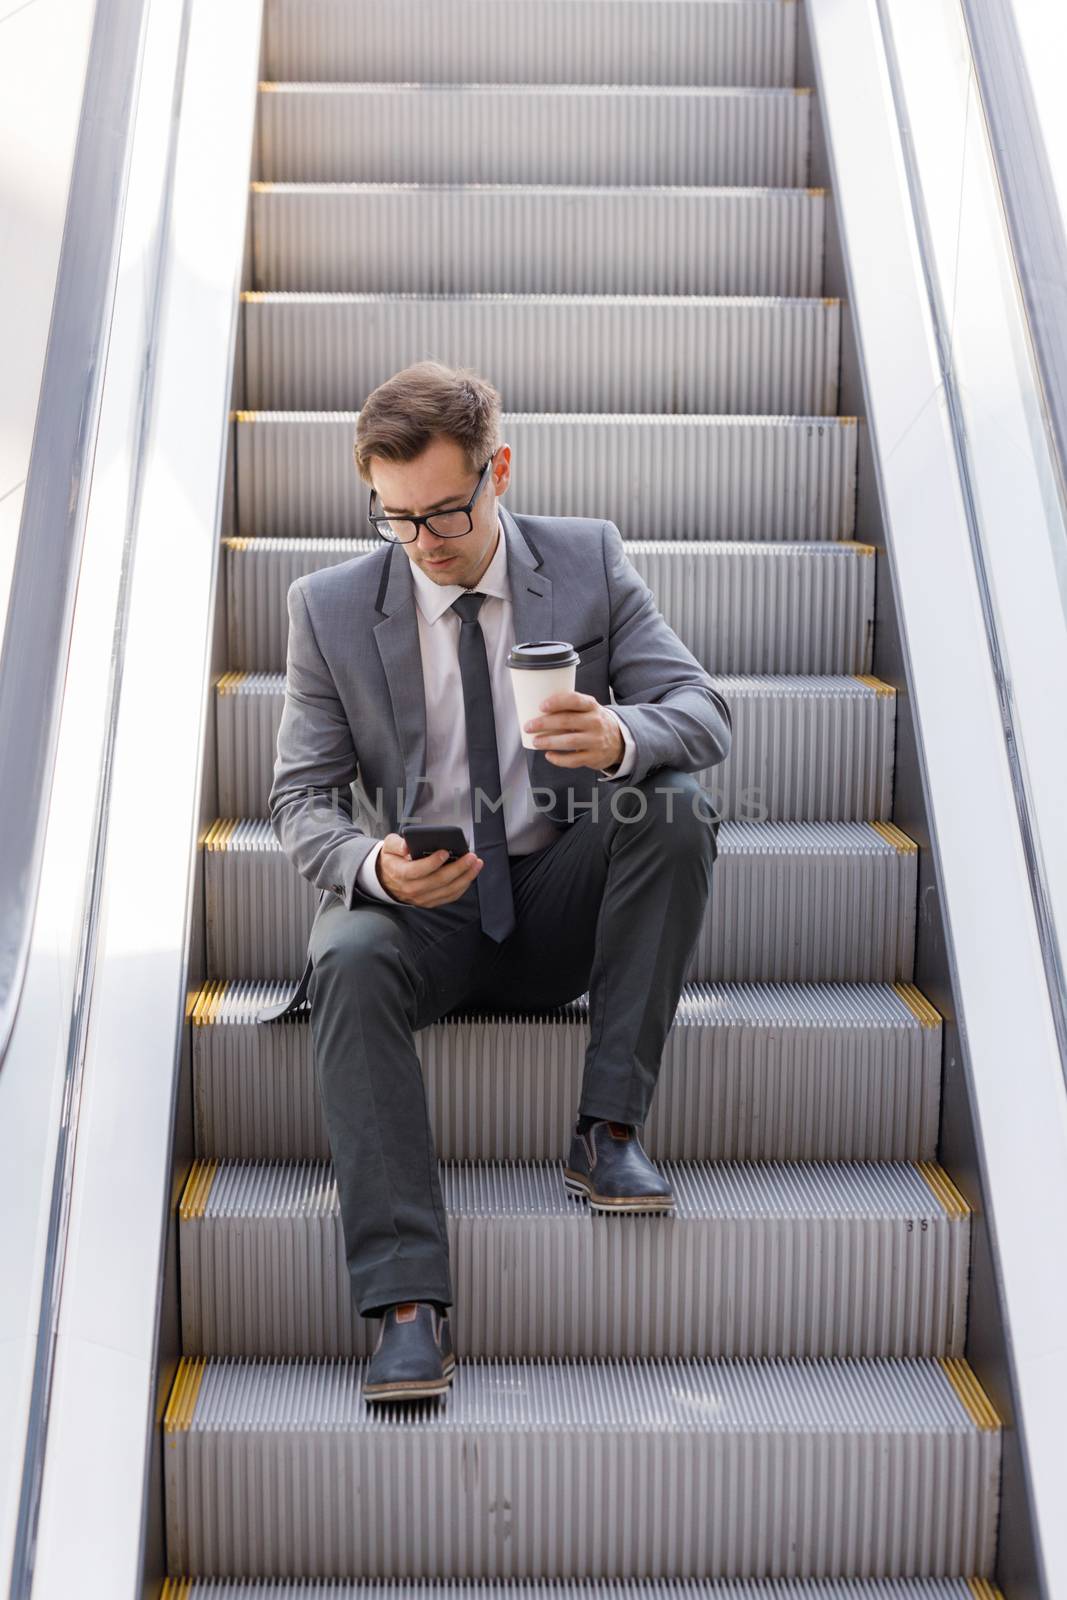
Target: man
(592, 854)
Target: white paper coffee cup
(538, 669)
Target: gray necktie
(490, 837)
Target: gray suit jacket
(354, 696)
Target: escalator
(611, 215)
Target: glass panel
(994, 396)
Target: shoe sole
(605, 1202)
(412, 1388)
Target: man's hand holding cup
(572, 729)
(575, 730)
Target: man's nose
(431, 544)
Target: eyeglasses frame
(442, 511)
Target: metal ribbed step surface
(552, 352)
(535, 238)
(779, 1072)
(756, 1259)
(568, 1468)
(774, 607)
(704, 477)
(604, 206)
(793, 902)
(533, 133)
(803, 747)
(746, 42)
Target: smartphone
(423, 838)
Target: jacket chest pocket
(597, 651)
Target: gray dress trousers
(613, 905)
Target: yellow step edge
(237, 542)
(857, 545)
(228, 681)
(879, 685)
(917, 1002)
(204, 1003)
(970, 1393)
(197, 1191)
(176, 1589)
(944, 1189)
(206, 839)
(982, 1589)
(220, 833)
(182, 1402)
(895, 836)
(243, 416)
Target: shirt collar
(434, 599)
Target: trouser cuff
(370, 1301)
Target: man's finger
(422, 866)
(563, 722)
(451, 871)
(564, 739)
(444, 871)
(567, 700)
(569, 758)
(448, 876)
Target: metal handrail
(37, 638)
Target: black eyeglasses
(451, 523)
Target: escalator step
(711, 477)
(785, 1072)
(756, 1258)
(797, 606)
(542, 1468)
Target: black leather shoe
(413, 1355)
(608, 1167)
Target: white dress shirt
(527, 828)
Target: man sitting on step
(592, 853)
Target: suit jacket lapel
(531, 613)
(397, 639)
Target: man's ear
(501, 473)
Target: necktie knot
(469, 605)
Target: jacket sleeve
(667, 700)
(310, 800)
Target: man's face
(438, 480)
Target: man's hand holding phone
(426, 879)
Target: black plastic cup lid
(543, 653)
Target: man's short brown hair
(401, 417)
